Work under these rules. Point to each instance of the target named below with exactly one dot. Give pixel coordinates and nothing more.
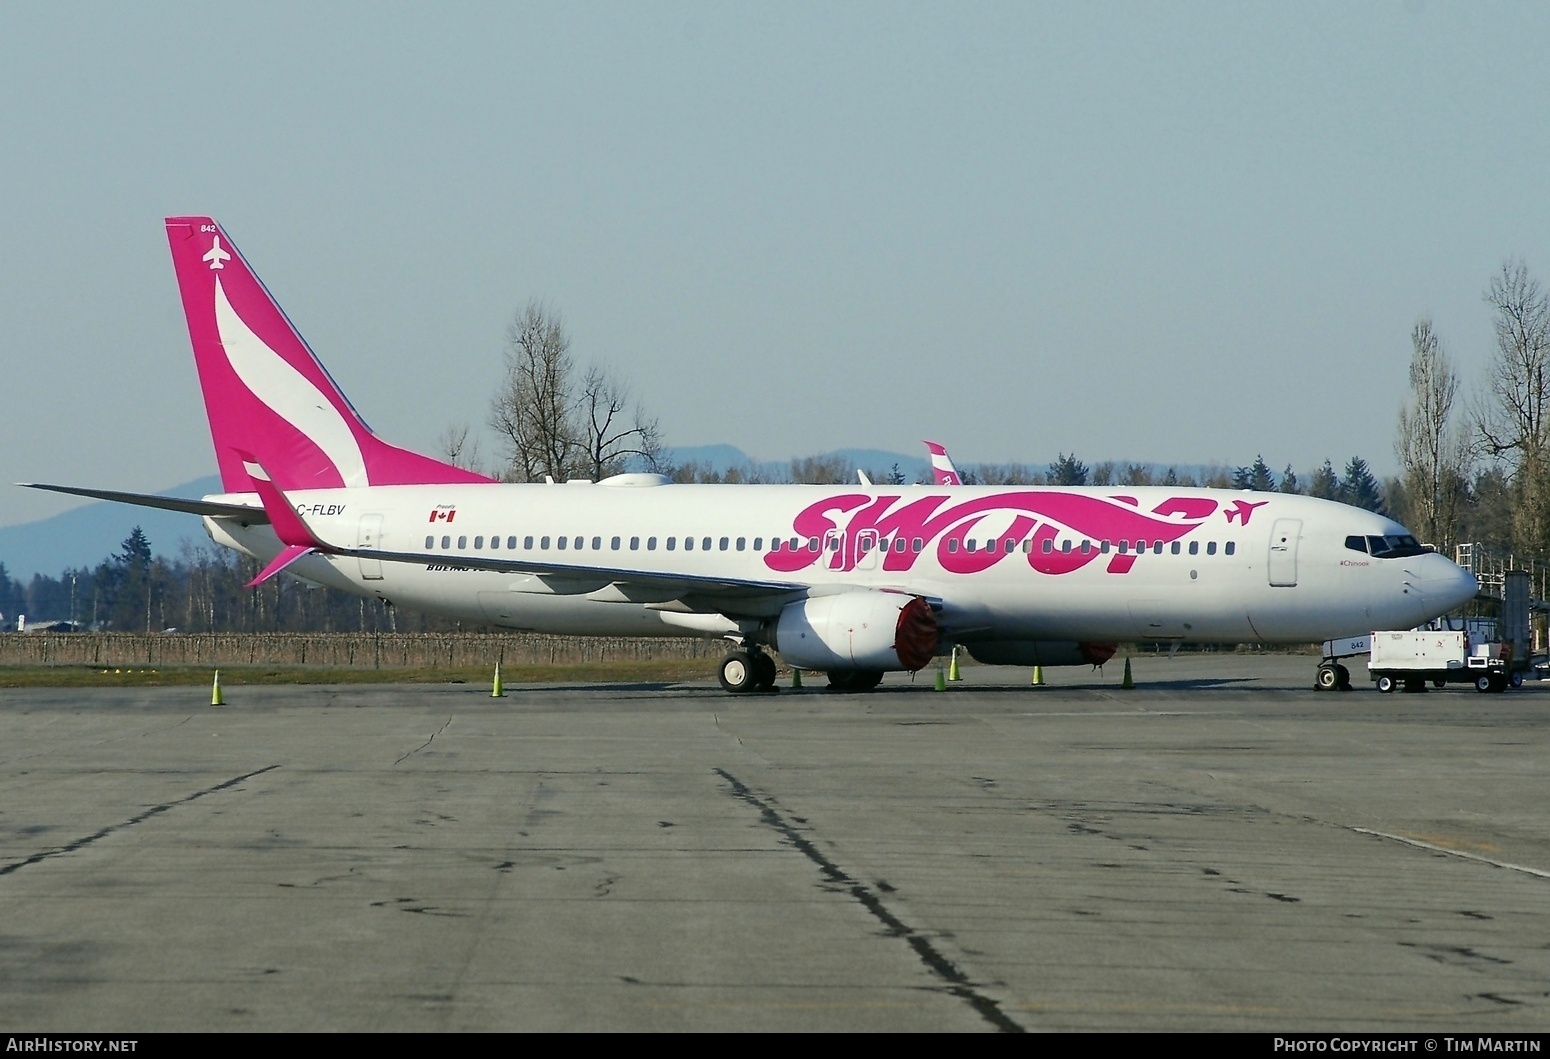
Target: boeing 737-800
(854, 581)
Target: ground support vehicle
(1412, 659)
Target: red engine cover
(915, 636)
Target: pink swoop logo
(1039, 515)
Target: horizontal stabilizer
(253, 515)
(291, 553)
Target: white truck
(1412, 658)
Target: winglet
(289, 555)
(288, 525)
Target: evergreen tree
(1289, 480)
(1325, 485)
(1171, 478)
(1359, 488)
(1068, 470)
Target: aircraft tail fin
(942, 470)
(266, 393)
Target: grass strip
(70, 676)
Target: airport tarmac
(1222, 848)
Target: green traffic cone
(1127, 682)
(1038, 675)
(952, 668)
(216, 698)
(796, 677)
(497, 689)
(941, 678)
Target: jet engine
(856, 631)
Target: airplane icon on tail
(217, 257)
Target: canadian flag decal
(443, 514)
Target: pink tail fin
(265, 391)
(942, 470)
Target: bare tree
(614, 428)
(533, 412)
(1435, 457)
(459, 447)
(1512, 421)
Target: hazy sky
(1176, 232)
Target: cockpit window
(1395, 546)
(1358, 544)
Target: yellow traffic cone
(1038, 675)
(941, 678)
(952, 668)
(216, 698)
(796, 677)
(497, 690)
(1127, 682)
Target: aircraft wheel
(736, 672)
(1439, 684)
(1344, 683)
(764, 671)
(1328, 679)
(1482, 683)
(855, 679)
(1415, 684)
(1385, 684)
(1498, 683)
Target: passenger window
(527, 542)
(1065, 547)
(446, 542)
(597, 543)
(1357, 544)
(430, 542)
(705, 545)
(917, 544)
(1087, 547)
(1104, 547)
(1124, 547)
(462, 542)
(562, 542)
(495, 542)
(1230, 547)
(724, 543)
(1027, 546)
(579, 543)
(614, 544)
(1049, 546)
(758, 544)
(812, 544)
(1010, 544)
(899, 544)
(1210, 547)
(1157, 547)
(742, 544)
(1174, 548)
(672, 542)
(634, 544)
(1194, 547)
(651, 544)
(952, 544)
(511, 542)
(688, 544)
(479, 542)
(969, 543)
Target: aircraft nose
(1449, 585)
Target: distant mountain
(86, 535)
(722, 457)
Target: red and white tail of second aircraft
(854, 581)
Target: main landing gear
(747, 669)
(1333, 677)
(854, 679)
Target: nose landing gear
(1333, 676)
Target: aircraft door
(370, 537)
(834, 549)
(1283, 552)
(866, 550)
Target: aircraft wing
(250, 515)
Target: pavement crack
(427, 743)
(155, 810)
(958, 984)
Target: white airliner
(854, 581)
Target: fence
(414, 650)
